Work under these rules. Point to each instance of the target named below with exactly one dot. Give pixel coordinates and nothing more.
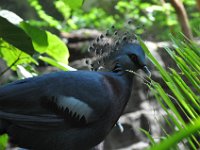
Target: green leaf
(149, 136)
(15, 36)
(3, 141)
(74, 3)
(179, 135)
(52, 62)
(57, 49)
(64, 9)
(184, 96)
(39, 37)
(45, 42)
(169, 103)
(185, 88)
(14, 56)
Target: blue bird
(72, 110)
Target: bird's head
(119, 52)
(130, 57)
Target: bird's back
(33, 118)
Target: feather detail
(28, 118)
(108, 46)
(76, 107)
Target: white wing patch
(76, 106)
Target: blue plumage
(70, 110)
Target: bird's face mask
(133, 58)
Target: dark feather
(73, 110)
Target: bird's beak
(146, 70)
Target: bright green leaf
(52, 62)
(74, 3)
(14, 56)
(179, 135)
(3, 141)
(149, 136)
(46, 42)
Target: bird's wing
(73, 107)
(22, 101)
(30, 120)
(83, 96)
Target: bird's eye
(134, 58)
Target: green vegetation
(28, 43)
(149, 17)
(184, 97)
(37, 45)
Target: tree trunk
(198, 4)
(182, 17)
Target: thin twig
(9, 67)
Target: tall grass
(183, 105)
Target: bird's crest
(107, 46)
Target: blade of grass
(178, 136)
(173, 87)
(149, 136)
(169, 104)
(192, 98)
(168, 81)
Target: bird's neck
(125, 80)
(121, 69)
(121, 85)
(126, 88)
(126, 76)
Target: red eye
(134, 58)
